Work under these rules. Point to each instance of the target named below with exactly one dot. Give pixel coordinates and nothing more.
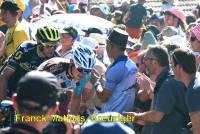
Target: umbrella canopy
(78, 21)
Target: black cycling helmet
(38, 90)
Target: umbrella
(78, 21)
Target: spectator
(117, 17)
(36, 95)
(195, 43)
(190, 18)
(158, 21)
(134, 19)
(168, 115)
(15, 34)
(118, 90)
(68, 37)
(101, 11)
(177, 18)
(184, 67)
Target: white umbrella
(78, 21)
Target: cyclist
(28, 56)
(73, 73)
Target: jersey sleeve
(15, 59)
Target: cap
(71, 31)
(10, 5)
(178, 13)
(90, 42)
(93, 30)
(118, 37)
(196, 31)
(38, 90)
(21, 4)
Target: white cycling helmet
(83, 56)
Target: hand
(144, 81)
(70, 127)
(95, 76)
(136, 117)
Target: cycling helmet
(47, 34)
(83, 57)
(38, 89)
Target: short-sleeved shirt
(66, 55)
(120, 80)
(169, 99)
(15, 35)
(137, 13)
(193, 95)
(23, 60)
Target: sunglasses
(50, 45)
(148, 58)
(84, 71)
(193, 38)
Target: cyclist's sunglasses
(50, 44)
(84, 71)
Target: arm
(104, 95)
(195, 118)
(5, 75)
(60, 7)
(150, 116)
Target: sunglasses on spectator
(84, 71)
(193, 38)
(148, 58)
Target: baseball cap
(93, 30)
(21, 4)
(38, 90)
(10, 5)
(71, 31)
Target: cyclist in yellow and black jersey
(27, 57)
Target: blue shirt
(169, 99)
(120, 79)
(28, 10)
(193, 95)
